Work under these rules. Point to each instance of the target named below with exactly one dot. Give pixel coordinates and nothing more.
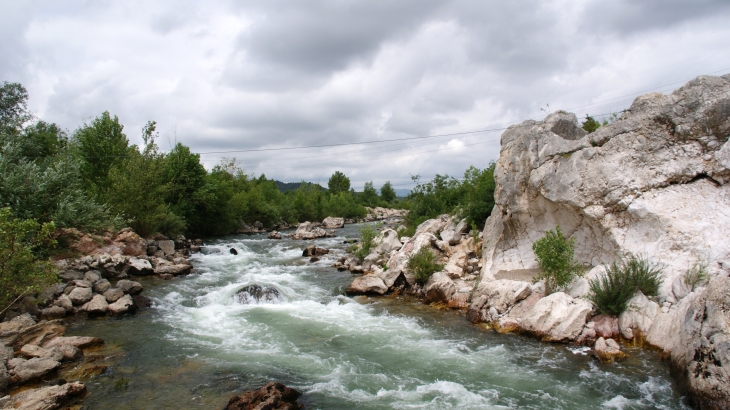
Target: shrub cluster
(423, 264)
(368, 232)
(696, 275)
(554, 254)
(611, 291)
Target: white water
(198, 346)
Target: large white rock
(638, 316)
(653, 182)
(456, 265)
(398, 262)
(502, 294)
(387, 242)
(439, 288)
(664, 331)
(366, 284)
(306, 230)
(332, 222)
(557, 317)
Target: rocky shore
(654, 182)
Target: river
(197, 346)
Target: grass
(611, 291)
(423, 264)
(696, 275)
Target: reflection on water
(200, 345)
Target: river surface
(197, 346)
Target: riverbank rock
(124, 304)
(700, 358)
(45, 398)
(97, 306)
(273, 396)
(367, 285)
(557, 318)
(439, 288)
(130, 287)
(27, 370)
(274, 235)
(82, 342)
(608, 350)
(500, 294)
(379, 213)
(631, 186)
(308, 230)
(333, 223)
(312, 250)
(638, 317)
(258, 294)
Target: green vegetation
(611, 291)
(368, 233)
(471, 197)
(590, 124)
(423, 264)
(554, 254)
(22, 270)
(696, 275)
(338, 182)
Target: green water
(197, 346)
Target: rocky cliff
(653, 182)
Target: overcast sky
(236, 75)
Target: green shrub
(554, 255)
(21, 270)
(611, 291)
(368, 232)
(696, 275)
(423, 264)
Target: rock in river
(273, 396)
(258, 294)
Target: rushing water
(198, 346)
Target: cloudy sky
(223, 76)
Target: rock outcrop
(332, 222)
(273, 396)
(308, 230)
(653, 182)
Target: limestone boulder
(451, 236)
(439, 288)
(399, 260)
(387, 242)
(307, 230)
(140, 267)
(80, 295)
(113, 294)
(274, 235)
(653, 182)
(638, 317)
(130, 287)
(96, 306)
(700, 358)
(101, 286)
(53, 312)
(457, 264)
(167, 247)
(33, 369)
(4, 379)
(274, 396)
(174, 270)
(65, 302)
(665, 329)
(331, 222)
(367, 285)
(51, 397)
(608, 350)
(82, 342)
(501, 294)
(125, 304)
(557, 318)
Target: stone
(130, 287)
(174, 270)
(434, 226)
(333, 222)
(456, 264)
(141, 302)
(6, 353)
(272, 396)
(139, 267)
(700, 358)
(578, 288)
(665, 329)
(51, 397)
(439, 288)
(501, 294)
(124, 304)
(81, 283)
(97, 306)
(70, 275)
(81, 342)
(608, 350)
(4, 380)
(167, 247)
(68, 352)
(37, 334)
(33, 369)
(462, 228)
(274, 235)
(680, 289)
(113, 294)
(605, 326)
(307, 230)
(53, 312)
(312, 250)
(557, 317)
(31, 351)
(366, 285)
(101, 286)
(641, 184)
(254, 294)
(387, 241)
(64, 302)
(92, 276)
(638, 317)
(451, 236)
(398, 261)
(130, 243)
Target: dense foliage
(423, 264)
(471, 197)
(21, 270)
(554, 255)
(368, 233)
(611, 291)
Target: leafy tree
(186, 178)
(21, 270)
(100, 145)
(478, 189)
(387, 193)
(338, 182)
(13, 105)
(369, 196)
(554, 255)
(590, 124)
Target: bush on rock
(423, 264)
(554, 255)
(611, 291)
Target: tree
(338, 182)
(21, 270)
(369, 196)
(387, 193)
(100, 145)
(13, 105)
(554, 254)
(590, 124)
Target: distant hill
(290, 186)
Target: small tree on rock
(554, 255)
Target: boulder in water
(233, 251)
(274, 396)
(257, 294)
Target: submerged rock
(273, 396)
(608, 350)
(252, 294)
